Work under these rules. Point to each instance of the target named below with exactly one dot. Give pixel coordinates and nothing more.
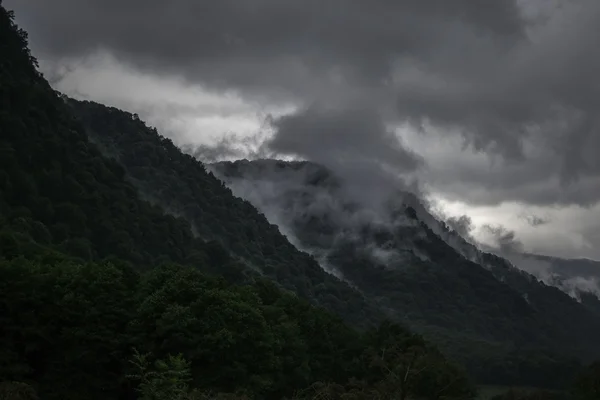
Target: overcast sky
(492, 106)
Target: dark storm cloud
(266, 44)
(353, 141)
(352, 133)
(537, 179)
(474, 67)
(545, 88)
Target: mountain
(182, 187)
(105, 295)
(396, 268)
(412, 265)
(364, 264)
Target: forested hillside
(183, 187)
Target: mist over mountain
(397, 253)
(302, 196)
(299, 195)
(577, 277)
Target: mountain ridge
(415, 236)
(563, 268)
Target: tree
(587, 384)
(162, 380)
(407, 366)
(17, 391)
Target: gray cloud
(300, 50)
(267, 44)
(475, 177)
(462, 225)
(541, 89)
(504, 240)
(230, 147)
(351, 140)
(351, 133)
(225, 149)
(514, 79)
(535, 220)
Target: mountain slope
(182, 186)
(59, 190)
(572, 275)
(395, 258)
(580, 278)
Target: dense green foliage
(586, 386)
(69, 330)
